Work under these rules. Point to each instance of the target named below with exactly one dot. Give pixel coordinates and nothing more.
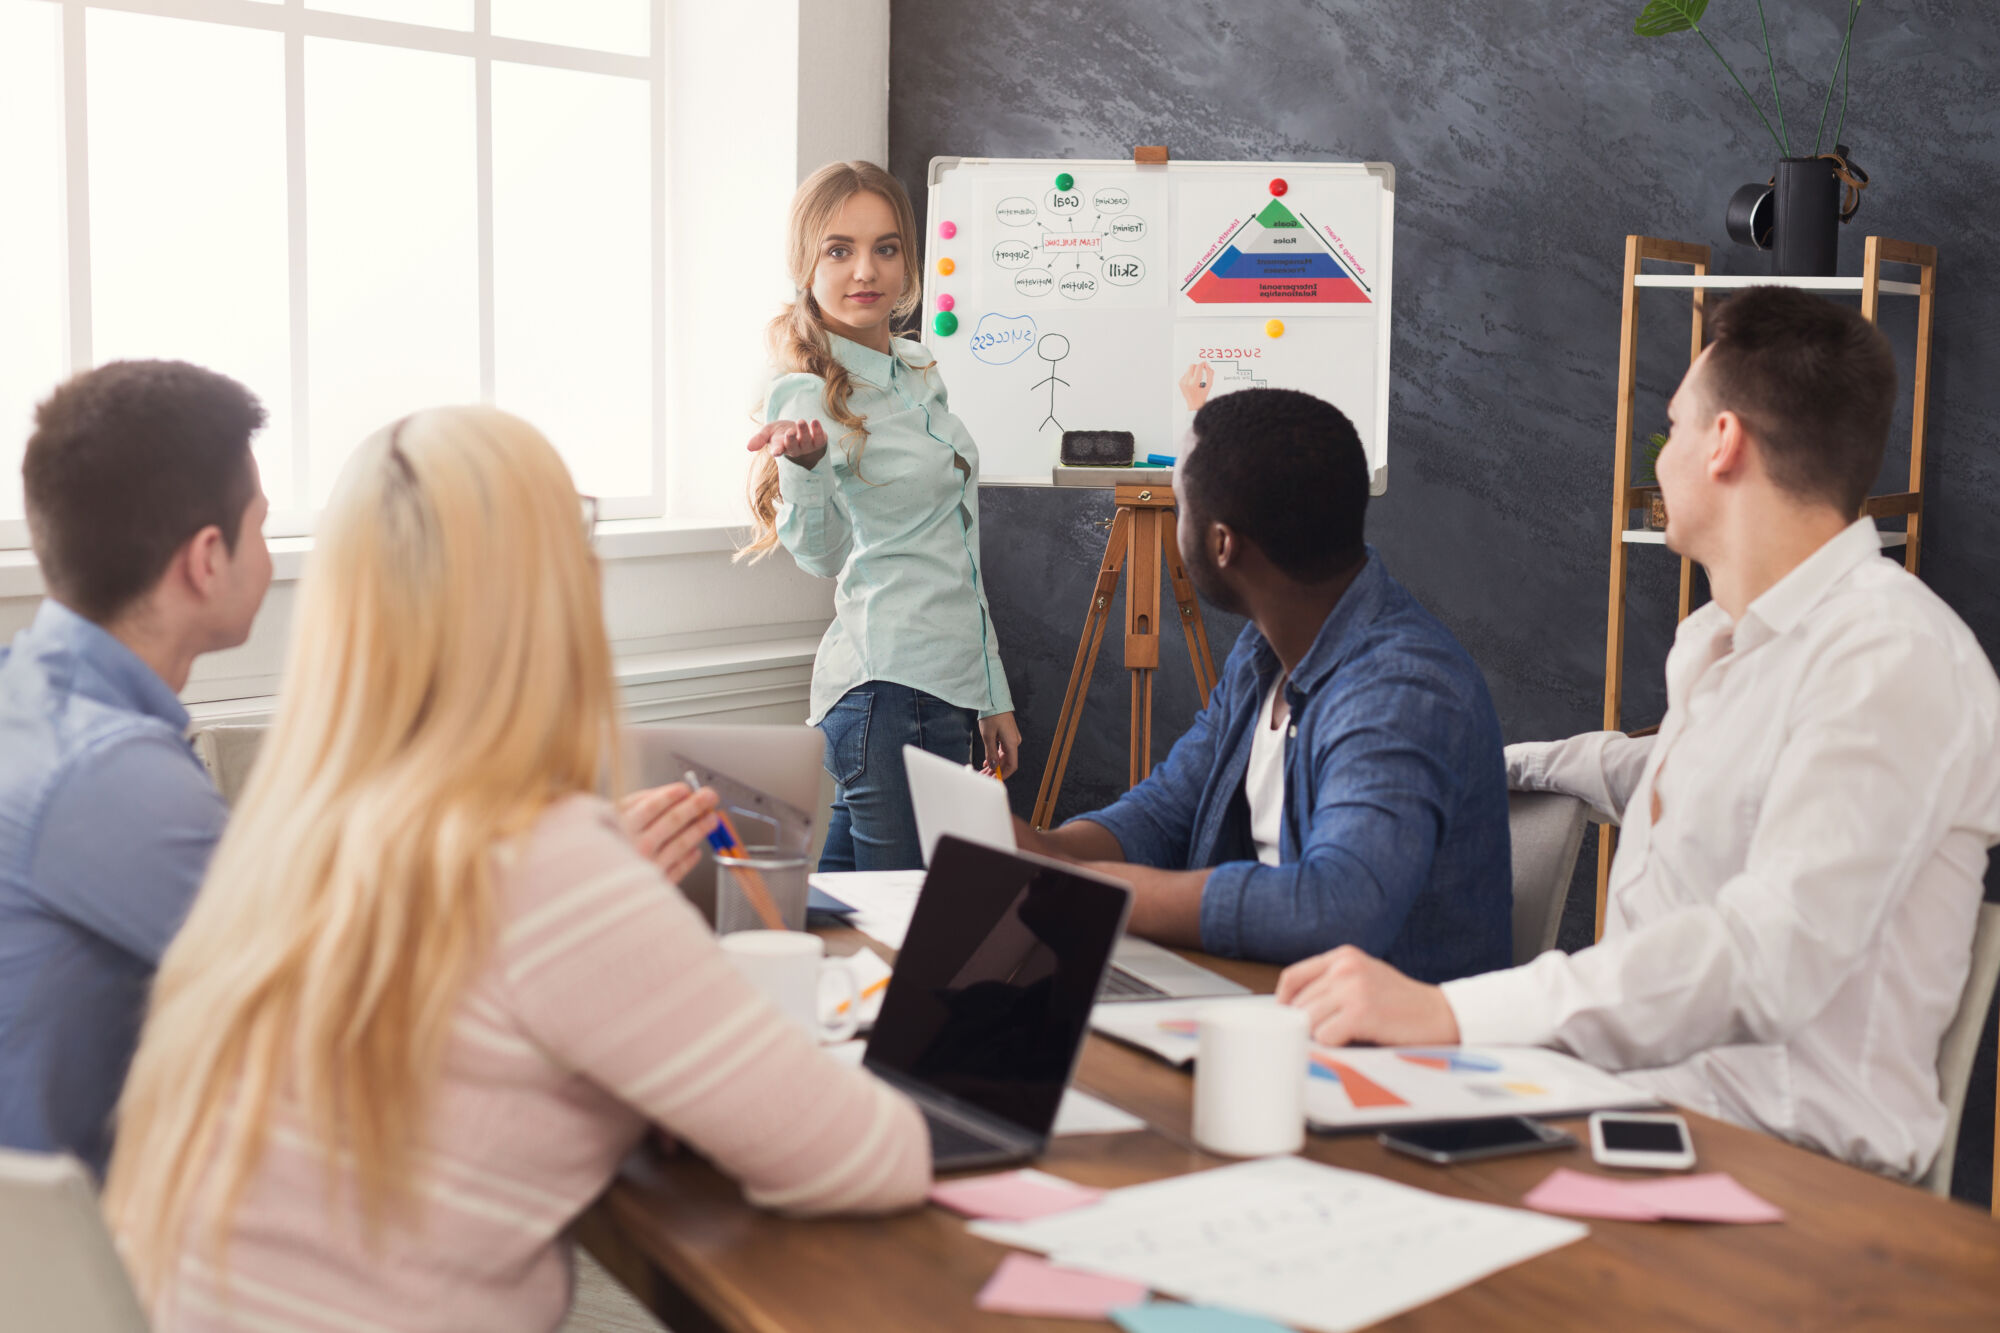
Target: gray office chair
(1961, 1044)
(228, 753)
(58, 1270)
(1546, 829)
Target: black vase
(1805, 240)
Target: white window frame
(290, 516)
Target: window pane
(31, 227)
(602, 25)
(572, 268)
(392, 242)
(431, 13)
(187, 207)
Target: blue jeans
(873, 826)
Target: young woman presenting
(866, 477)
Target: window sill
(619, 539)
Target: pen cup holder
(783, 877)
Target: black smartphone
(1448, 1141)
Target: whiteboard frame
(1378, 481)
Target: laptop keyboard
(1122, 985)
(948, 1140)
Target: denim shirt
(1394, 834)
(899, 530)
(107, 820)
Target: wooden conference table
(1855, 1251)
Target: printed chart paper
(1361, 1086)
(1304, 1244)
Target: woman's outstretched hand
(804, 442)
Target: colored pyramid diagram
(1275, 259)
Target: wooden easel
(1143, 528)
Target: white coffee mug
(792, 969)
(1250, 1080)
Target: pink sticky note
(1579, 1195)
(1024, 1284)
(1013, 1196)
(1715, 1197)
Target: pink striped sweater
(606, 1006)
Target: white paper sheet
(1293, 1240)
(883, 900)
(1080, 1113)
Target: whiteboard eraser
(1097, 448)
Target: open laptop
(780, 764)
(953, 800)
(991, 997)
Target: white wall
(694, 634)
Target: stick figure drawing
(1052, 348)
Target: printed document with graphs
(1308, 1245)
(1353, 1087)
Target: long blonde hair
(798, 336)
(449, 678)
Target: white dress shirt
(1788, 930)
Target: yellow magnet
(1273, 327)
(945, 266)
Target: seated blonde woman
(430, 994)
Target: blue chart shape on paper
(1451, 1061)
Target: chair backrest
(58, 1270)
(1546, 829)
(228, 752)
(1961, 1045)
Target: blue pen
(1159, 460)
(721, 837)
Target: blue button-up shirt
(900, 531)
(107, 820)
(1394, 834)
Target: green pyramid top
(1276, 214)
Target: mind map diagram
(1071, 243)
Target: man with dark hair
(1345, 783)
(1790, 914)
(147, 520)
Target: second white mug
(792, 968)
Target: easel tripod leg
(1092, 639)
(1192, 627)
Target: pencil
(749, 880)
(874, 987)
(730, 847)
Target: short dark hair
(1813, 381)
(1287, 471)
(126, 463)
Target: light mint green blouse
(898, 530)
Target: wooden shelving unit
(1871, 287)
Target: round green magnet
(1064, 181)
(946, 323)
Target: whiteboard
(1127, 299)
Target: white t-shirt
(1264, 781)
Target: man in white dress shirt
(1791, 909)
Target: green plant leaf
(1661, 17)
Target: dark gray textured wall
(1529, 136)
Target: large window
(357, 208)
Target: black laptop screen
(993, 986)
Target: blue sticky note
(1164, 1317)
